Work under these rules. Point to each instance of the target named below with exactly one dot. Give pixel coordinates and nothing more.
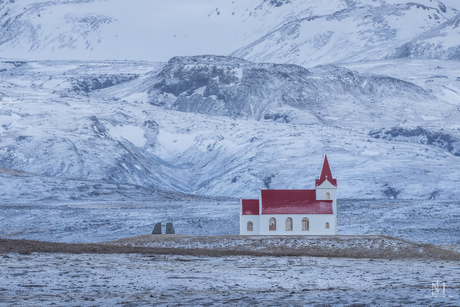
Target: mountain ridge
(354, 33)
(101, 30)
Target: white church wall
(317, 224)
(244, 219)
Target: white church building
(293, 212)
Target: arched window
(327, 225)
(305, 224)
(272, 224)
(250, 226)
(288, 224)
(328, 196)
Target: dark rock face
(217, 85)
(426, 50)
(420, 136)
(93, 83)
(157, 229)
(391, 192)
(228, 86)
(278, 3)
(170, 228)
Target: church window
(250, 226)
(272, 224)
(328, 196)
(327, 225)
(305, 224)
(288, 224)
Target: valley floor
(42, 279)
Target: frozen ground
(146, 280)
(80, 222)
(420, 221)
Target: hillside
(172, 127)
(361, 30)
(299, 32)
(439, 43)
(228, 126)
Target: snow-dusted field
(420, 221)
(82, 222)
(145, 280)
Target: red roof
(326, 174)
(293, 202)
(250, 206)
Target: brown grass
(408, 251)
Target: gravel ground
(43, 279)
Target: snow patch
(451, 96)
(53, 83)
(238, 72)
(370, 153)
(174, 143)
(6, 120)
(200, 90)
(428, 117)
(130, 133)
(137, 97)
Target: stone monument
(157, 229)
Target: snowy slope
(119, 29)
(441, 43)
(361, 31)
(118, 133)
(301, 32)
(222, 125)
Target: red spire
(326, 174)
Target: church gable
(326, 185)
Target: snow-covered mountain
(118, 29)
(361, 30)
(105, 121)
(441, 43)
(384, 103)
(304, 32)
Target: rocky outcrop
(93, 83)
(227, 86)
(420, 135)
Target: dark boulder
(157, 229)
(170, 228)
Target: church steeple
(326, 174)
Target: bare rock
(170, 228)
(157, 229)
